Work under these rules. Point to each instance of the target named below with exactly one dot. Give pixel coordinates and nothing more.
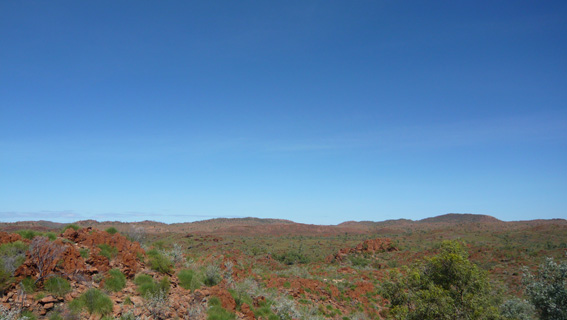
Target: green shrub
(55, 316)
(116, 280)
(57, 286)
(517, 309)
(547, 289)
(72, 226)
(128, 316)
(5, 279)
(28, 285)
(84, 252)
(94, 301)
(359, 261)
(28, 315)
(447, 286)
(111, 230)
(51, 236)
(160, 262)
(143, 278)
(12, 255)
(186, 278)
(291, 257)
(160, 244)
(147, 286)
(107, 251)
(212, 275)
(217, 312)
(28, 234)
(98, 277)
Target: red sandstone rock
(247, 312)
(227, 301)
(367, 246)
(9, 237)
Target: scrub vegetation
(450, 267)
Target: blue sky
(313, 111)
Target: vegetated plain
(275, 269)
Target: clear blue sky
(314, 111)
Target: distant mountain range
(279, 227)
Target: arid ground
(248, 268)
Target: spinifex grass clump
(108, 251)
(111, 230)
(159, 262)
(28, 285)
(147, 286)
(94, 301)
(291, 257)
(57, 286)
(217, 312)
(186, 277)
(28, 234)
(70, 226)
(115, 281)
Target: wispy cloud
(49, 215)
(68, 216)
(519, 129)
(522, 130)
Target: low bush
(55, 316)
(51, 236)
(142, 278)
(547, 289)
(28, 234)
(115, 281)
(291, 257)
(159, 262)
(108, 251)
(12, 255)
(517, 309)
(111, 230)
(57, 286)
(28, 285)
(28, 315)
(94, 301)
(147, 286)
(359, 261)
(70, 226)
(128, 316)
(186, 278)
(212, 275)
(217, 312)
(157, 304)
(6, 314)
(176, 253)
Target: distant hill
(278, 227)
(461, 218)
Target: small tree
(44, 254)
(517, 309)
(137, 233)
(12, 255)
(547, 289)
(447, 286)
(111, 230)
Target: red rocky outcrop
(126, 259)
(6, 237)
(367, 246)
